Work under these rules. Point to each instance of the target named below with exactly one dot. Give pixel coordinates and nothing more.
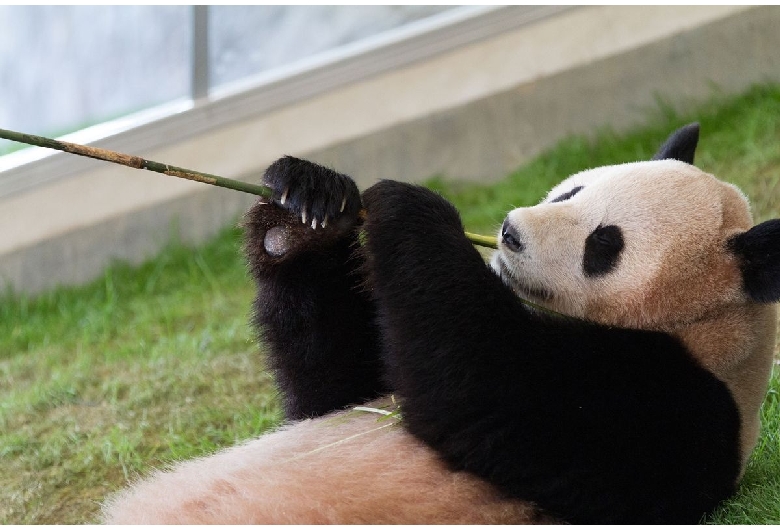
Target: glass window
(66, 67)
(63, 68)
(246, 40)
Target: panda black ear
(681, 145)
(758, 251)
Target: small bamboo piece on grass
(137, 162)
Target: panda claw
(324, 222)
(284, 196)
(343, 205)
(303, 215)
(314, 223)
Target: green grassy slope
(156, 363)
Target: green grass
(151, 364)
(758, 501)
(142, 367)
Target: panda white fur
(642, 409)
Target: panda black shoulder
(630, 413)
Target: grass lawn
(157, 363)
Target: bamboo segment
(136, 162)
(483, 241)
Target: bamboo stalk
(483, 241)
(137, 162)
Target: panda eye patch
(602, 250)
(568, 195)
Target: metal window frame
(199, 90)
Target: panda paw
(311, 208)
(313, 193)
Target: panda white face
(638, 245)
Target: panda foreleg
(453, 332)
(311, 308)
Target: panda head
(645, 245)
(657, 245)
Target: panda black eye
(602, 250)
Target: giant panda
(626, 391)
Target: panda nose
(510, 237)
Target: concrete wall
(477, 112)
(490, 136)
